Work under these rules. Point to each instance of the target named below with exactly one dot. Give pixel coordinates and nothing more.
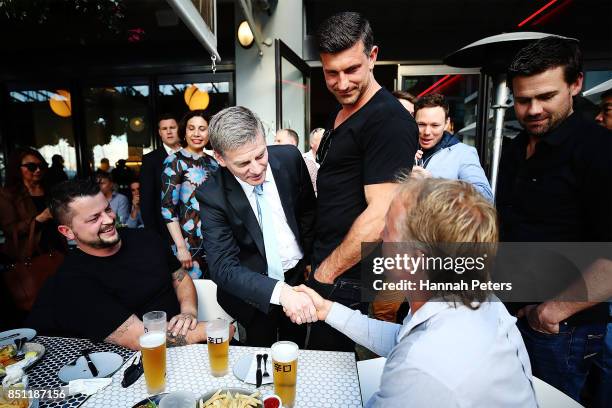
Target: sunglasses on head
(33, 166)
(324, 146)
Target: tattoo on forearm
(121, 330)
(175, 341)
(178, 275)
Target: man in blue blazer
(258, 213)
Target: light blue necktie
(266, 222)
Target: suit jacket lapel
(283, 185)
(162, 154)
(238, 200)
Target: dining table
(325, 378)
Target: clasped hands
(303, 305)
(182, 323)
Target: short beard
(553, 122)
(101, 243)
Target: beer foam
(218, 328)
(152, 339)
(284, 352)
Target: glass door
(458, 85)
(292, 93)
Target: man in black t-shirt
(371, 139)
(112, 278)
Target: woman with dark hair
(183, 172)
(23, 202)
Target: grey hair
(234, 127)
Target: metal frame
(431, 70)
(193, 20)
(282, 50)
(482, 119)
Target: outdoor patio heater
(492, 55)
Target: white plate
(242, 366)
(38, 348)
(9, 336)
(106, 363)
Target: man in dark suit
(258, 213)
(150, 174)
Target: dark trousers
(347, 292)
(564, 360)
(263, 330)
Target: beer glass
(153, 349)
(217, 333)
(284, 367)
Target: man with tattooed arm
(112, 278)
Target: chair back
(550, 397)
(208, 307)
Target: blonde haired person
(456, 347)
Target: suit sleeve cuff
(275, 298)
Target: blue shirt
(445, 356)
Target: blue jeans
(564, 360)
(603, 391)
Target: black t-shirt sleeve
(173, 262)
(389, 144)
(90, 311)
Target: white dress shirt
(170, 150)
(289, 249)
(445, 356)
(310, 156)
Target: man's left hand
(539, 318)
(182, 323)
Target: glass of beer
(284, 367)
(217, 333)
(153, 349)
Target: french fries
(227, 400)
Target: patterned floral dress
(183, 173)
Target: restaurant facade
(86, 79)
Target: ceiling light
(245, 35)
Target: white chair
(550, 397)
(208, 307)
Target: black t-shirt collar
(332, 119)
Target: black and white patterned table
(325, 379)
(58, 352)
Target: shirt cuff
(338, 315)
(275, 298)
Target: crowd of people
(281, 232)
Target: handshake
(303, 305)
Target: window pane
(117, 123)
(42, 119)
(179, 97)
